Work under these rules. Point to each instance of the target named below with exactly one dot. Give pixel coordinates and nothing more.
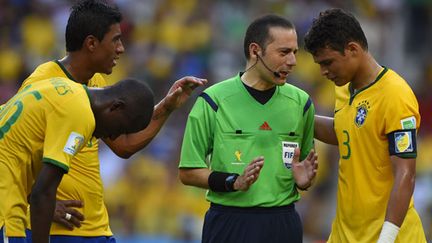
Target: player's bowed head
(125, 107)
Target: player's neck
(77, 67)
(366, 73)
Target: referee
(243, 140)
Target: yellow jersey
(49, 121)
(362, 121)
(83, 182)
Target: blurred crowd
(168, 39)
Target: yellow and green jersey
(363, 121)
(48, 121)
(83, 182)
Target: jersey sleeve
(69, 127)
(401, 112)
(308, 130)
(198, 137)
(401, 122)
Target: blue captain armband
(402, 143)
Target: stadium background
(167, 39)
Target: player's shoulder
(395, 85)
(44, 71)
(49, 65)
(97, 81)
(60, 86)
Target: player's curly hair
(334, 28)
(258, 31)
(89, 17)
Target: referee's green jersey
(227, 128)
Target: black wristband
(222, 181)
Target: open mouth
(115, 61)
(284, 74)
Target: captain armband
(402, 143)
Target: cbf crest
(362, 112)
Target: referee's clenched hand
(250, 174)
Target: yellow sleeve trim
(56, 163)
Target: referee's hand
(250, 174)
(305, 171)
(66, 215)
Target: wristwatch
(229, 182)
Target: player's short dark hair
(258, 31)
(334, 28)
(89, 17)
(138, 97)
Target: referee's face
(279, 56)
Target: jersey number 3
(346, 143)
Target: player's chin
(108, 71)
(339, 84)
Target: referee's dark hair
(258, 31)
(89, 17)
(334, 28)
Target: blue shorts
(5, 239)
(80, 239)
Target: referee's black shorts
(224, 224)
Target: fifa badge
(288, 153)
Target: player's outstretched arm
(200, 177)
(42, 201)
(128, 144)
(324, 129)
(305, 171)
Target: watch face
(231, 178)
(229, 182)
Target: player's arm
(128, 144)
(222, 181)
(403, 187)
(324, 129)
(42, 201)
(400, 196)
